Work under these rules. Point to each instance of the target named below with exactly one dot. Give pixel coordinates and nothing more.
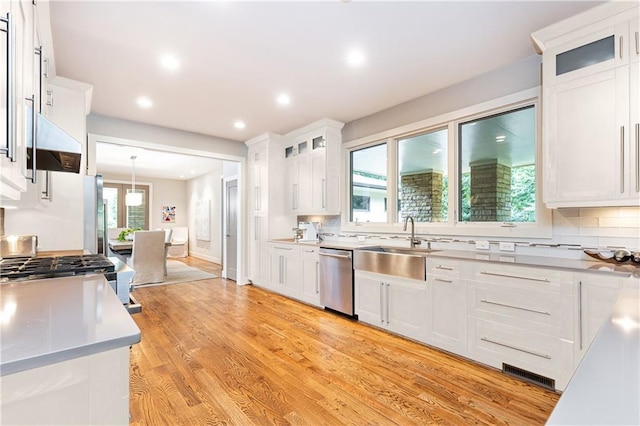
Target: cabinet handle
(339, 256)
(34, 139)
(10, 148)
(491, 302)
(284, 270)
(50, 97)
(446, 268)
(620, 46)
(544, 280)
(387, 301)
(46, 193)
(621, 159)
(443, 280)
(38, 52)
(637, 44)
(317, 277)
(545, 356)
(580, 311)
(295, 196)
(324, 193)
(281, 258)
(382, 303)
(637, 126)
(45, 71)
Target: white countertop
(52, 320)
(621, 269)
(605, 389)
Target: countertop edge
(20, 365)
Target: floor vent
(529, 376)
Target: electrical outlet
(482, 245)
(507, 246)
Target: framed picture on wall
(168, 214)
(203, 220)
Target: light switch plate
(507, 246)
(482, 245)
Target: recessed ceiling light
(283, 99)
(355, 57)
(144, 102)
(500, 138)
(239, 124)
(169, 62)
(437, 151)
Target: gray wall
(513, 78)
(124, 129)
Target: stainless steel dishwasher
(336, 280)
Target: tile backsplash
(599, 228)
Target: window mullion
(392, 181)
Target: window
(467, 172)
(422, 177)
(497, 174)
(120, 215)
(369, 181)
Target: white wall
(207, 187)
(164, 192)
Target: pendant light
(133, 198)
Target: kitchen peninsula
(64, 352)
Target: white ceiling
(236, 57)
(116, 159)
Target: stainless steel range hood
(55, 150)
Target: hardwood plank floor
(213, 352)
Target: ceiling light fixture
(239, 125)
(170, 62)
(144, 102)
(355, 58)
(437, 151)
(283, 99)
(500, 138)
(133, 198)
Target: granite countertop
(605, 389)
(52, 320)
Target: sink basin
(397, 261)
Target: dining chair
(148, 258)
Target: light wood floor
(216, 353)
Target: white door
(232, 230)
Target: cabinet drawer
(533, 309)
(309, 253)
(443, 267)
(494, 344)
(539, 279)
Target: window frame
(541, 228)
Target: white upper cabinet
(312, 169)
(591, 122)
(17, 43)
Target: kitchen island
(64, 352)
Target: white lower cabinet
(596, 295)
(447, 308)
(396, 304)
(284, 271)
(521, 320)
(293, 271)
(309, 273)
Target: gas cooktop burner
(31, 268)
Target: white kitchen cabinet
(309, 274)
(266, 218)
(312, 163)
(285, 269)
(19, 69)
(396, 304)
(590, 108)
(596, 295)
(522, 319)
(447, 313)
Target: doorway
(231, 226)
